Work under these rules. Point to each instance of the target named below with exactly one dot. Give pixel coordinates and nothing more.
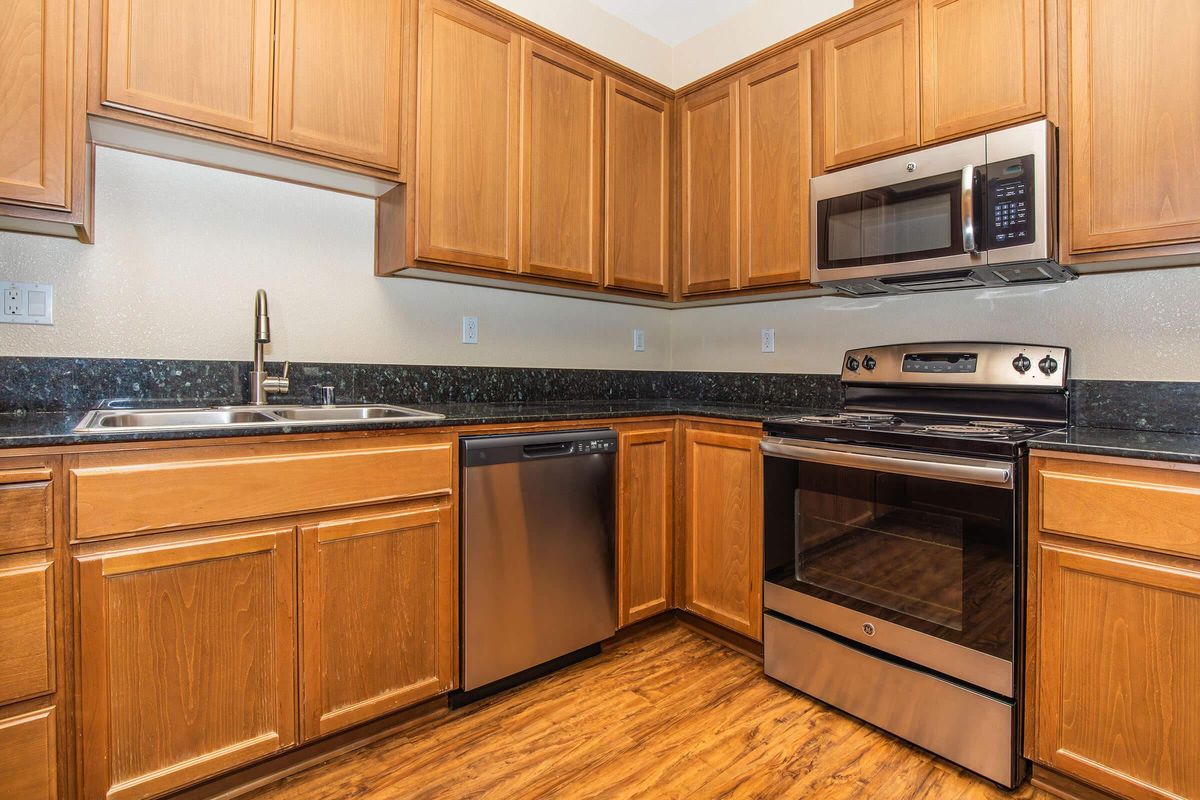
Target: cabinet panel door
(710, 190)
(187, 660)
(637, 185)
(29, 755)
(723, 500)
(1118, 664)
(378, 600)
(645, 522)
(1134, 123)
(35, 102)
(467, 142)
(981, 65)
(206, 62)
(26, 631)
(560, 155)
(339, 78)
(776, 149)
(870, 88)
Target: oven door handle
(924, 465)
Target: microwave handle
(970, 240)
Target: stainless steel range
(894, 543)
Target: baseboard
(720, 634)
(1060, 785)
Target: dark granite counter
(1154, 445)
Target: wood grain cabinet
(981, 65)
(29, 755)
(27, 628)
(1133, 125)
(187, 659)
(378, 602)
(709, 189)
(637, 189)
(722, 526)
(871, 89)
(339, 78)
(645, 520)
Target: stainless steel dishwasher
(538, 557)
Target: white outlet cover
(27, 303)
(470, 330)
(768, 340)
(639, 340)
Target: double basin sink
(111, 420)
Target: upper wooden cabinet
(561, 141)
(207, 62)
(468, 139)
(637, 184)
(709, 189)
(339, 86)
(1134, 124)
(645, 520)
(981, 65)
(776, 164)
(871, 91)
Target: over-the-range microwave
(977, 212)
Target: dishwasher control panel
(596, 446)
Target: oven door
(913, 554)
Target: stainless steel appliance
(977, 212)
(537, 553)
(894, 542)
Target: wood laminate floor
(665, 714)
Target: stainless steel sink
(168, 419)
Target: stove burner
(991, 429)
(848, 418)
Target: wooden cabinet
(206, 62)
(26, 508)
(871, 91)
(339, 87)
(709, 189)
(637, 185)
(467, 139)
(645, 520)
(561, 139)
(722, 526)
(981, 65)
(1133, 125)
(29, 755)
(27, 658)
(776, 164)
(1114, 632)
(378, 602)
(186, 659)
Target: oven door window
(932, 555)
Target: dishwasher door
(538, 549)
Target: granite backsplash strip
(1170, 406)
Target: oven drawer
(967, 727)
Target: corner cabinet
(709, 189)
(645, 519)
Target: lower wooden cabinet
(26, 628)
(187, 660)
(29, 755)
(722, 526)
(378, 602)
(645, 520)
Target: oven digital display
(940, 362)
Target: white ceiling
(673, 21)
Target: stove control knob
(852, 364)
(1048, 365)
(868, 363)
(1022, 364)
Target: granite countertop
(1155, 445)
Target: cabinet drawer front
(1142, 508)
(26, 520)
(26, 630)
(109, 499)
(29, 755)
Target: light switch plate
(768, 340)
(27, 303)
(639, 340)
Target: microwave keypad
(1010, 200)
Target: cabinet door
(1134, 123)
(723, 529)
(981, 65)
(637, 186)
(1118, 663)
(646, 492)
(26, 629)
(467, 142)
(776, 149)
(560, 157)
(206, 62)
(710, 190)
(35, 101)
(378, 599)
(187, 660)
(339, 78)
(870, 88)
(29, 755)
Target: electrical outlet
(639, 340)
(768, 340)
(27, 303)
(470, 330)
(12, 302)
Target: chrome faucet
(262, 384)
